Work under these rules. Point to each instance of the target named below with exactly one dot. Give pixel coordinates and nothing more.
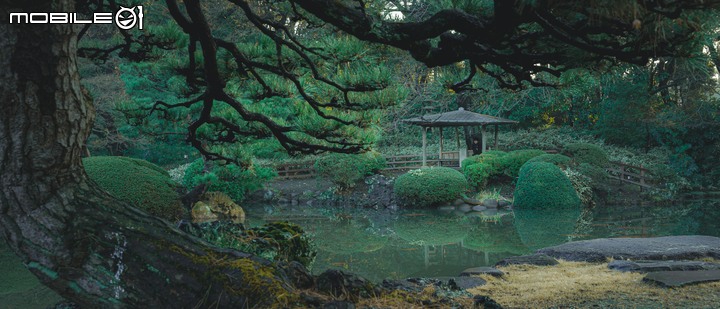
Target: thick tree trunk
(83, 243)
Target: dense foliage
(138, 182)
(543, 185)
(233, 180)
(429, 186)
(587, 153)
(345, 170)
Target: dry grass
(578, 284)
(405, 300)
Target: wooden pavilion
(457, 119)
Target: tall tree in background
(99, 252)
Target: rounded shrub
(429, 186)
(515, 159)
(587, 153)
(557, 159)
(345, 170)
(480, 168)
(544, 185)
(138, 182)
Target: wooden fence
(635, 175)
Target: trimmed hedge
(429, 186)
(587, 153)
(138, 182)
(514, 160)
(544, 185)
(557, 159)
(346, 170)
(481, 168)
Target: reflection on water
(423, 243)
(413, 243)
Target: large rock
(655, 248)
(535, 259)
(651, 266)
(481, 271)
(216, 206)
(680, 278)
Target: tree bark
(86, 245)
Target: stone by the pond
(464, 208)
(654, 248)
(481, 271)
(458, 202)
(479, 208)
(446, 208)
(490, 212)
(503, 203)
(534, 259)
(680, 278)
(490, 203)
(651, 266)
(461, 283)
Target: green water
(422, 243)
(419, 243)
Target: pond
(421, 243)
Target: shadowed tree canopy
(100, 252)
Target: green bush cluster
(230, 179)
(557, 159)
(544, 185)
(481, 168)
(345, 170)
(138, 182)
(587, 153)
(429, 186)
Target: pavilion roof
(460, 117)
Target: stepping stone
(680, 278)
(651, 266)
(464, 208)
(481, 271)
(535, 259)
(479, 208)
(654, 248)
(460, 283)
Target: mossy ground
(583, 285)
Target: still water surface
(422, 243)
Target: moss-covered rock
(587, 153)
(138, 182)
(544, 185)
(214, 206)
(429, 186)
(346, 170)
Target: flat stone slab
(654, 248)
(535, 259)
(680, 278)
(652, 266)
(461, 283)
(481, 271)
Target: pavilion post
(424, 133)
(484, 144)
(496, 137)
(440, 157)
